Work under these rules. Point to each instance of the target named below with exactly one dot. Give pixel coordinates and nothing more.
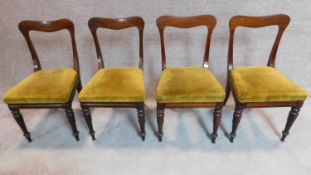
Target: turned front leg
(235, 122)
(160, 120)
(216, 121)
(72, 121)
(292, 116)
(20, 121)
(141, 120)
(88, 119)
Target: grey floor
(186, 148)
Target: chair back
(186, 22)
(117, 24)
(49, 26)
(280, 20)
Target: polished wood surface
(209, 22)
(186, 22)
(282, 22)
(116, 24)
(48, 26)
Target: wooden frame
(48, 26)
(115, 24)
(208, 21)
(282, 22)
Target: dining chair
(188, 87)
(115, 87)
(49, 87)
(262, 86)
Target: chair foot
(76, 135)
(214, 136)
(160, 137)
(232, 136)
(28, 137)
(143, 136)
(93, 135)
(284, 135)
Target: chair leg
(88, 119)
(141, 120)
(216, 121)
(71, 118)
(228, 89)
(235, 122)
(79, 85)
(20, 121)
(293, 114)
(160, 120)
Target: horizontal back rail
(250, 21)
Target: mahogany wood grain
(282, 22)
(209, 22)
(48, 26)
(116, 24)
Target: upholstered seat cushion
(264, 84)
(189, 84)
(119, 84)
(43, 86)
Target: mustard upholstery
(189, 84)
(43, 86)
(120, 84)
(264, 84)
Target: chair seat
(189, 84)
(43, 87)
(115, 85)
(264, 84)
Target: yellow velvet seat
(264, 84)
(189, 84)
(44, 86)
(123, 84)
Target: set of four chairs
(178, 87)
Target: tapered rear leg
(79, 85)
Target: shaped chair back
(49, 26)
(280, 20)
(186, 22)
(117, 24)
